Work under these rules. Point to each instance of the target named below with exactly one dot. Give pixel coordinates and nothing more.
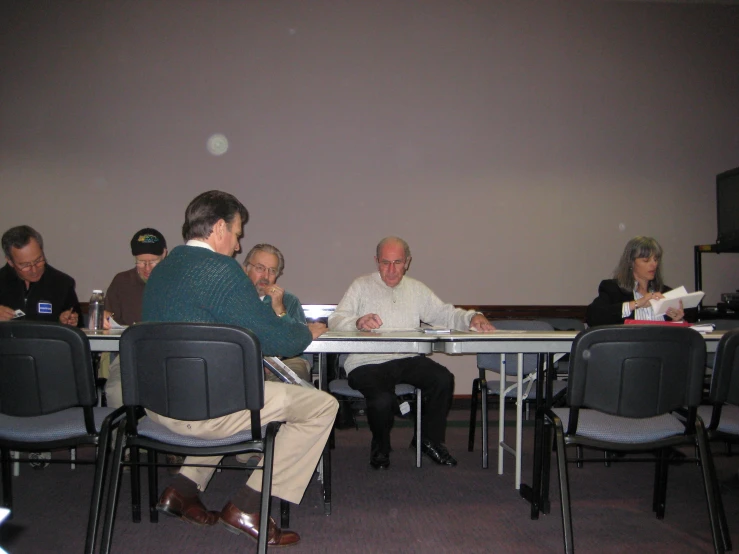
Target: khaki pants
(113, 390)
(308, 416)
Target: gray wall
(517, 145)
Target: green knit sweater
(194, 284)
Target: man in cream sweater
(389, 300)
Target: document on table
(396, 330)
(703, 327)
(433, 330)
(672, 300)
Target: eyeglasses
(28, 265)
(397, 264)
(259, 268)
(147, 263)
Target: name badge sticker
(44, 307)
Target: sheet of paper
(115, 325)
(396, 329)
(672, 300)
(703, 327)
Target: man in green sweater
(201, 282)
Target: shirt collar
(199, 244)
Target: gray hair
(269, 249)
(20, 236)
(386, 240)
(638, 247)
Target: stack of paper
(703, 327)
(672, 300)
(436, 330)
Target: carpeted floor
(405, 509)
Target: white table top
(456, 342)
(507, 341)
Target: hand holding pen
(69, 317)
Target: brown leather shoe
(237, 521)
(172, 503)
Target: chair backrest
(636, 371)
(191, 371)
(725, 380)
(492, 361)
(44, 368)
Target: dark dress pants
(377, 383)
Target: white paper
(672, 300)
(395, 330)
(114, 324)
(437, 330)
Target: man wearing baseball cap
(125, 297)
(126, 292)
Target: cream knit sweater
(404, 306)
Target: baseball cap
(148, 241)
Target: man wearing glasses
(388, 300)
(125, 297)
(263, 265)
(29, 287)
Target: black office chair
(482, 387)
(47, 401)
(722, 416)
(190, 372)
(625, 384)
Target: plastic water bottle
(97, 310)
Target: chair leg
(660, 483)
(96, 501)
(546, 469)
(418, 427)
(716, 513)
(326, 474)
(152, 458)
(269, 450)
(579, 451)
(564, 490)
(539, 442)
(113, 489)
(473, 414)
(135, 486)
(284, 514)
(7, 471)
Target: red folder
(649, 322)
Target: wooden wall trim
(528, 312)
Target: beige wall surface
(517, 145)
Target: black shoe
(378, 459)
(437, 452)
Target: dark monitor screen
(727, 203)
